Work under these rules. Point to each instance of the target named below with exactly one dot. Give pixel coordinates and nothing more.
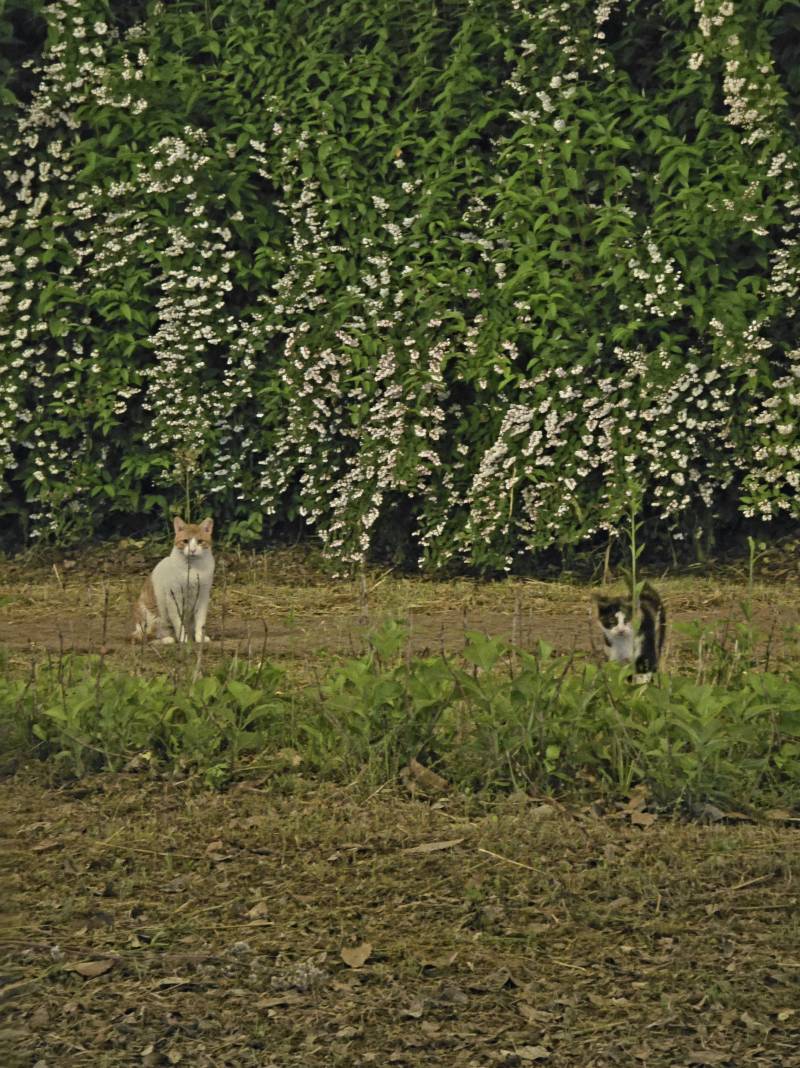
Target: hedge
(452, 280)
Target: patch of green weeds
(85, 717)
(548, 727)
(493, 719)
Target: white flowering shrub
(447, 279)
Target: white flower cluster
(487, 328)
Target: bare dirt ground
(289, 924)
(283, 604)
(294, 924)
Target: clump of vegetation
(493, 719)
(84, 716)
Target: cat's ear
(207, 525)
(178, 524)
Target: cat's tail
(653, 604)
(145, 614)
(141, 632)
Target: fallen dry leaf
(528, 1054)
(707, 1056)
(41, 1018)
(356, 956)
(637, 798)
(780, 815)
(444, 961)
(46, 844)
(709, 813)
(434, 847)
(414, 1010)
(90, 969)
(347, 1032)
(429, 780)
(533, 1053)
(495, 980)
(532, 1015)
(751, 1023)
(450, 994)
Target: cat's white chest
(624, 647)
(622, 644)
(175, 573)
(182, 584)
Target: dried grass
(527, 929)
(304, 613)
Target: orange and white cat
(174, 600)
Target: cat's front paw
(167, 640)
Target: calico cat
(174, 600)
(643, 647)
